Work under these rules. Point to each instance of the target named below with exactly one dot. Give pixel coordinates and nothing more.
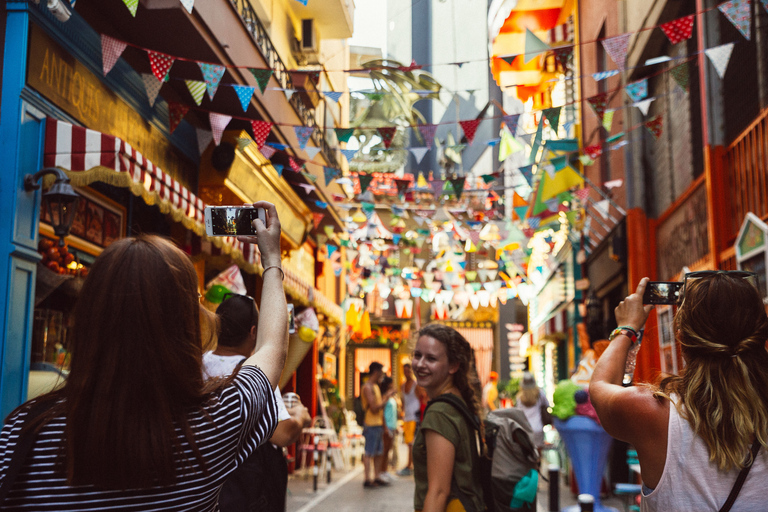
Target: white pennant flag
(218, 123)
(602, 207)
(485, 298)
(719, 56)
(418, 261)
(312, 151)
(644, 105)
(419, 153)
(474, 300)
(492, 274)
(204, 137)
(152, 85)
(399, 307)
(188, 4)
(483, 274)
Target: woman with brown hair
(444, 451)
(700, 433)
(136, 427)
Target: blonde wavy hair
(723, 391)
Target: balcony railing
(260, 36)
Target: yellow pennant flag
(562, 181)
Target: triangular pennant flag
(564, 56)
(365, 181)
(330, 249)
(218, 123)
(765, 4)
(349, 154)
(533, 46)
(317, 218)
(132, 5)
(295, 164)
(608, 120)
(599, 103)
(637, 90)
(243, 142)
(428, 133)
(562, 181)
(309, 176)
(508, 58)
(196, 89)
(739, 12)
(402, 186)
(204, 137)
(160, 64)
(111, 49)
(278, 167)
(262, 77)
(527, 172)
(508, 145)
(387, 133)
(470, 127)
(594, 151)
(261, 131)
(511, 122)
(344, 134)
(644, 105)
(188, 5)
(602, 75)
(582, 194)
(312, 151)
(616, 48)
(603, 207)
(212, 74)
(333, 96)
(553, 116)
(268, 152)
(488, 178)
(329, 173)
(307, 187)
(680, 75)
(559, 163)
(437, 187)
(521, 212)
(176, 112)
(302, 134)
(418, 153)
(679, 29)
(719, 57)
(152, 85)
(655, 126)
(244, 94)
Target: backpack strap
(740, 480)
(459, 405)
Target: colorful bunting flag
(533, 46)
(644, 105)
(303, 133)
(470, 128)
(608, 120)
(655, 126)
(599, 103)
(387, 133)
(295, 164)
(616, 48)
(312, 151)
(564, 56)
(418, 153)
(132, 6)
(218, 123)
(176, 112)
(509, 144)
(553, 116)
(508, 58)
(428, 133)
(562, 181)
(637, 90)
(111, 49)
(365, 181)
(765, 4)
(602, 75)
(334, 96)
(511, 121)
(269, 152)
(679, 29)
(458, 186)
(196, 89)
(402, 186)
(309, 176)
(527, 172)
(594, 151)
(569, 145)
(437, 187)
(212, 74)
(244, 94)
(262, 77)
(261, 131)
(243, 142)
(739, 12)
(521, 212)
(582, 194)
(278, 167)
(344, 134)
(152, 85)
(349, 154)
(329, 173)
(204, 138)
(719, 57)
(317, 218)
(160, 64)
(188, 5)
(680, 75)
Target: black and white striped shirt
(243, 414)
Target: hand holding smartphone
(232, 220)
(662, 292)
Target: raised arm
(272, 336)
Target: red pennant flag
(402, 185)
(428, 133)
(387, 134)
(582, 194)
(161, 64)
(679, 29)
(317, 218)
(655, 126)
(599, 103)
(261, 131)
(295, 164)
(176, 112)
(470, 127)
(594, 151)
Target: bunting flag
(344, 134)
(160, 64)
(330, 173)
(317, 218)
(719, 57)
(553, 116)
(428, 133)
(188, 5)
(765, 4)
(582, 194)
(269, 152)
(387, 133)
(278, 167)
(511, 122)
(111, 50)
(402, 186)
(262, 77)
(559, 163)
(562, 181)
(508, 58)
(349, 154)
(152, 85)
(644, 105)
(616, 48)
(244, 94)
(204, 138)
(599, 103)
(176, 112)
(602, 75)
(303, 133)
(608, 120)
(132, 6)
(521, 212)
(458, 186)
(196, 89)
(594, 151)
(637, 90)
(418, 153)
(470, 128)
(309, 176)
(564, 56)
(437, 187)
(680, 75)
(655, 126)
(533, 46)
(678, 30)
(212, 74)
(295, 164)
(739, 12)
(334, 96)
(261, 131)
(312, 151)
(243, 142)
(218, 123)
(603, 208)
(527, 172)
(508, 144)
(365, 181)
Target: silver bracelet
(278, 267)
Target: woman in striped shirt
(135, 427)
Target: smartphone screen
(232, 220)
(662, 292)
(291, 319)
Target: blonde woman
(532, 401)
(698, 433)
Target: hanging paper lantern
(306, 334)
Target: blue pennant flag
(329, 173)
(244, 94)
(321, 204)
(349, 154)
(279, 147)
(493, 142)
(527, 172)
(396, 238)
(279, 168)
(333, 96)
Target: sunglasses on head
(750, 277)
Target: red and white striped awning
(481, 341)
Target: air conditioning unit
(309, 42)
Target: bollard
(554, 488)
(315, 459)
(586, 502)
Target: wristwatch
(627, 331)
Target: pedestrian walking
(373, 429)
(533, 402)
(390, 426)
(412, 396)
(491, 394)
(261, 482)
(135, 427)
(697, 433)
(444, 454)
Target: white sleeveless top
(411, 404)
(690, 482)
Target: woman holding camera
(700, 434)
(136, 427)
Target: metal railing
(260, 36)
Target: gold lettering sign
(71, 86)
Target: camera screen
(662, 293)
(233, 221)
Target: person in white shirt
(263, 480)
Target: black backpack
(357, 407)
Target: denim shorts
(374, 440)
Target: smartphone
(232, 220)
(662, 292)
(291, 319)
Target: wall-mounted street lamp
(60, 200)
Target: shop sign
(752, 249)
(72, 87)
(683, 238)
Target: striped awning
(481, 341)
(88, 156)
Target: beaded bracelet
(627, 331)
